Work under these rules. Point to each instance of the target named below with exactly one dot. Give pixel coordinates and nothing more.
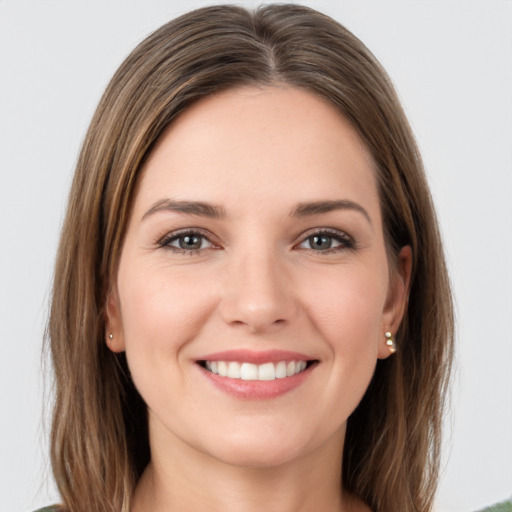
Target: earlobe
(396, 303)
(113, 326)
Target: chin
(257, 457)
(263, 449)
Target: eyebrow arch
(319, 207)
(190, 207)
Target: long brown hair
(99, 432)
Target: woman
(251, 307)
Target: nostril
(257, 309)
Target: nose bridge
(258, 291)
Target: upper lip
(256, 357)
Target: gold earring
(390, 342)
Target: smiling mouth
(256, 372)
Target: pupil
(190, 242)
(321, 242)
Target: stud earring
(110, 336)
(390, 342)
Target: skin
(257, 282)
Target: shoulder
(504, 506)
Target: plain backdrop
(452, 64)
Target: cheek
(162, 310)
(347, 308)
(347, 311)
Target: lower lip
(257, 389)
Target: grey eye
(320, 242)
(327, 241)
(189, 242)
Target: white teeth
(222, 368)
(266, 371)
(281, 370)
(233, 370)
(249, 371)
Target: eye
(327, 240)
(186, 242)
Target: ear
(398, 296)
(114, 335)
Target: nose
(258, 293)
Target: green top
(504, 506)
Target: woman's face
(254, 249)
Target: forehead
(255, 146)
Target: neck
(182, 478)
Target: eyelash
(165, 242)
(346, 242)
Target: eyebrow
(319, 207)
(213, 211)
(190, 207)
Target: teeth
(281, 370)
(249, 371)
(233, 370)
(222, 368)
(266, 371)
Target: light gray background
(452, 63)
